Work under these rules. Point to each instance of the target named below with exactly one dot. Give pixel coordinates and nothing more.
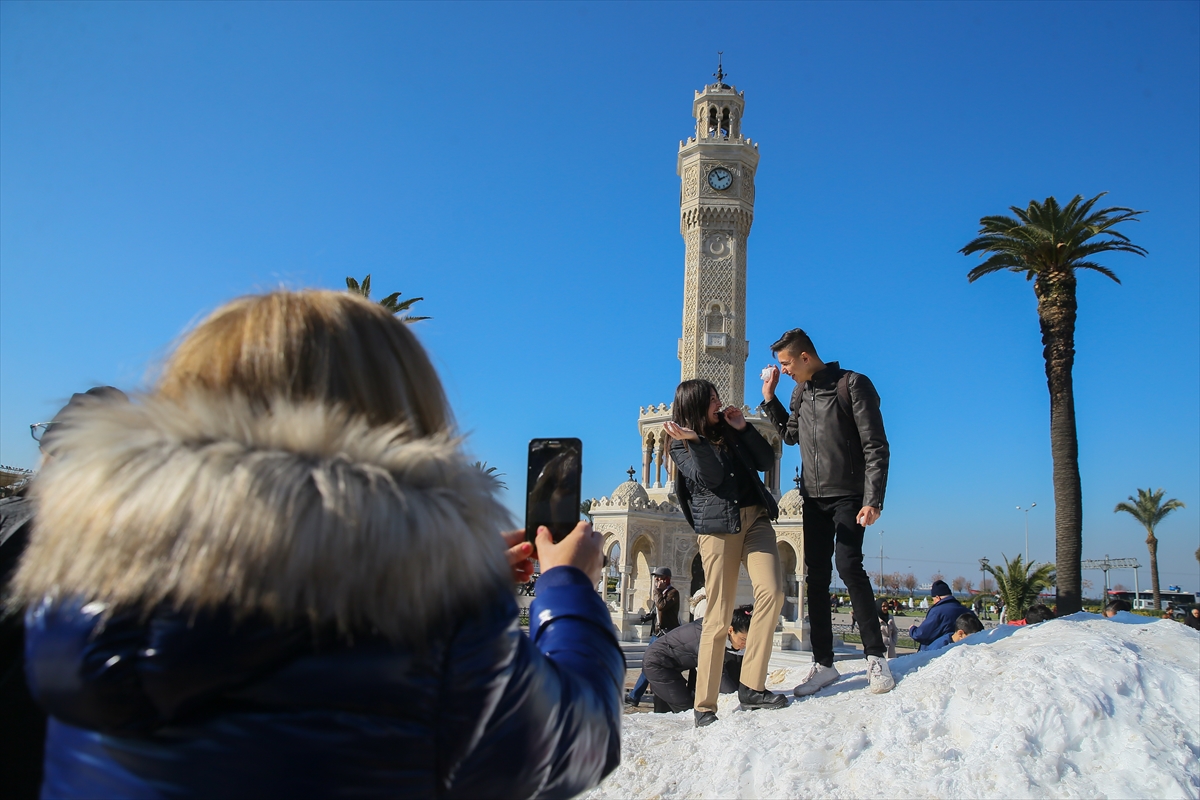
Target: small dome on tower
(791, 504)
(627, 492)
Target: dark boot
(705, 718)
(752, 698)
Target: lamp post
(983, 562)
(881, 558)
(1026, 510)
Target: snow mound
(1076, 707)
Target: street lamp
(1026, 510)
(983, 562)
(881, 558)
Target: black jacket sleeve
(786, 419)
(698, 462)
(759, 449)
(865, 402)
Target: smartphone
(554, 481)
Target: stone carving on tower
(640, 521)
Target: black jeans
(830, 530)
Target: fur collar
(302, 514)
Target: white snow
(1076, 707)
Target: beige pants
(721, 555)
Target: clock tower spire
(716, 168)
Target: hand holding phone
(581, 549)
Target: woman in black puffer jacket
(278, 575)
(719, 455)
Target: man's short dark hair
(1038, 613)
(968, 623)
(1118, 605)
(796, 342)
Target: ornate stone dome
(791, 504)
(627, 492)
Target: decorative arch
(640, 562)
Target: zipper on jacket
(816, 448)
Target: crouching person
(671, 656)
(964, 626)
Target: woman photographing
(719, 456)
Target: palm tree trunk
(1152, 543)
(1055, 292)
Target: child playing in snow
(964, 626)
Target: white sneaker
(879, 677)
(818, 677)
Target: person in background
(278, 574)
(964, 626)
(699, 603)
(1037, 613)
(678, 652)
(1115, 606)
(662, 617)
(940, 619)
(887, 629)
(1192, 620)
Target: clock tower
(716, 209)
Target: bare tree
(937, 576)
(910, 583)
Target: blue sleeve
(940, 642)
(555, 728)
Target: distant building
(640, 519)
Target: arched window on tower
(714, 327)
(714, 320)
(712, 121)
(725, 123)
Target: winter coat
(228, 604)
(708, 489)
(664, 611)
(888, 631)
(840, 457)
(22, 723)
(939, 621)
(679, 650)
(940, 643)
(1192, 621)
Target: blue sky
(515, 165)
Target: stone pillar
(658, 471)
(647, 456)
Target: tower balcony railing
(718, 139)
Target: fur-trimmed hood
(304, 514)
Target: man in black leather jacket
(835, 418)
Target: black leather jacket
(841, 457)
(707, 488)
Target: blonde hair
(333, 348)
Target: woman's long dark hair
(690, 409)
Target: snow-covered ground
(1076, 707)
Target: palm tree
(1048, 243)
(1019, 584)
(489, 471)
(392, 302)
(1149, 509)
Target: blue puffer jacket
(938, 622)
(176, 707)
(349, 623)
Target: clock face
(720, 179)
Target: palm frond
(1105, 271)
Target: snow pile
(1077, 707)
